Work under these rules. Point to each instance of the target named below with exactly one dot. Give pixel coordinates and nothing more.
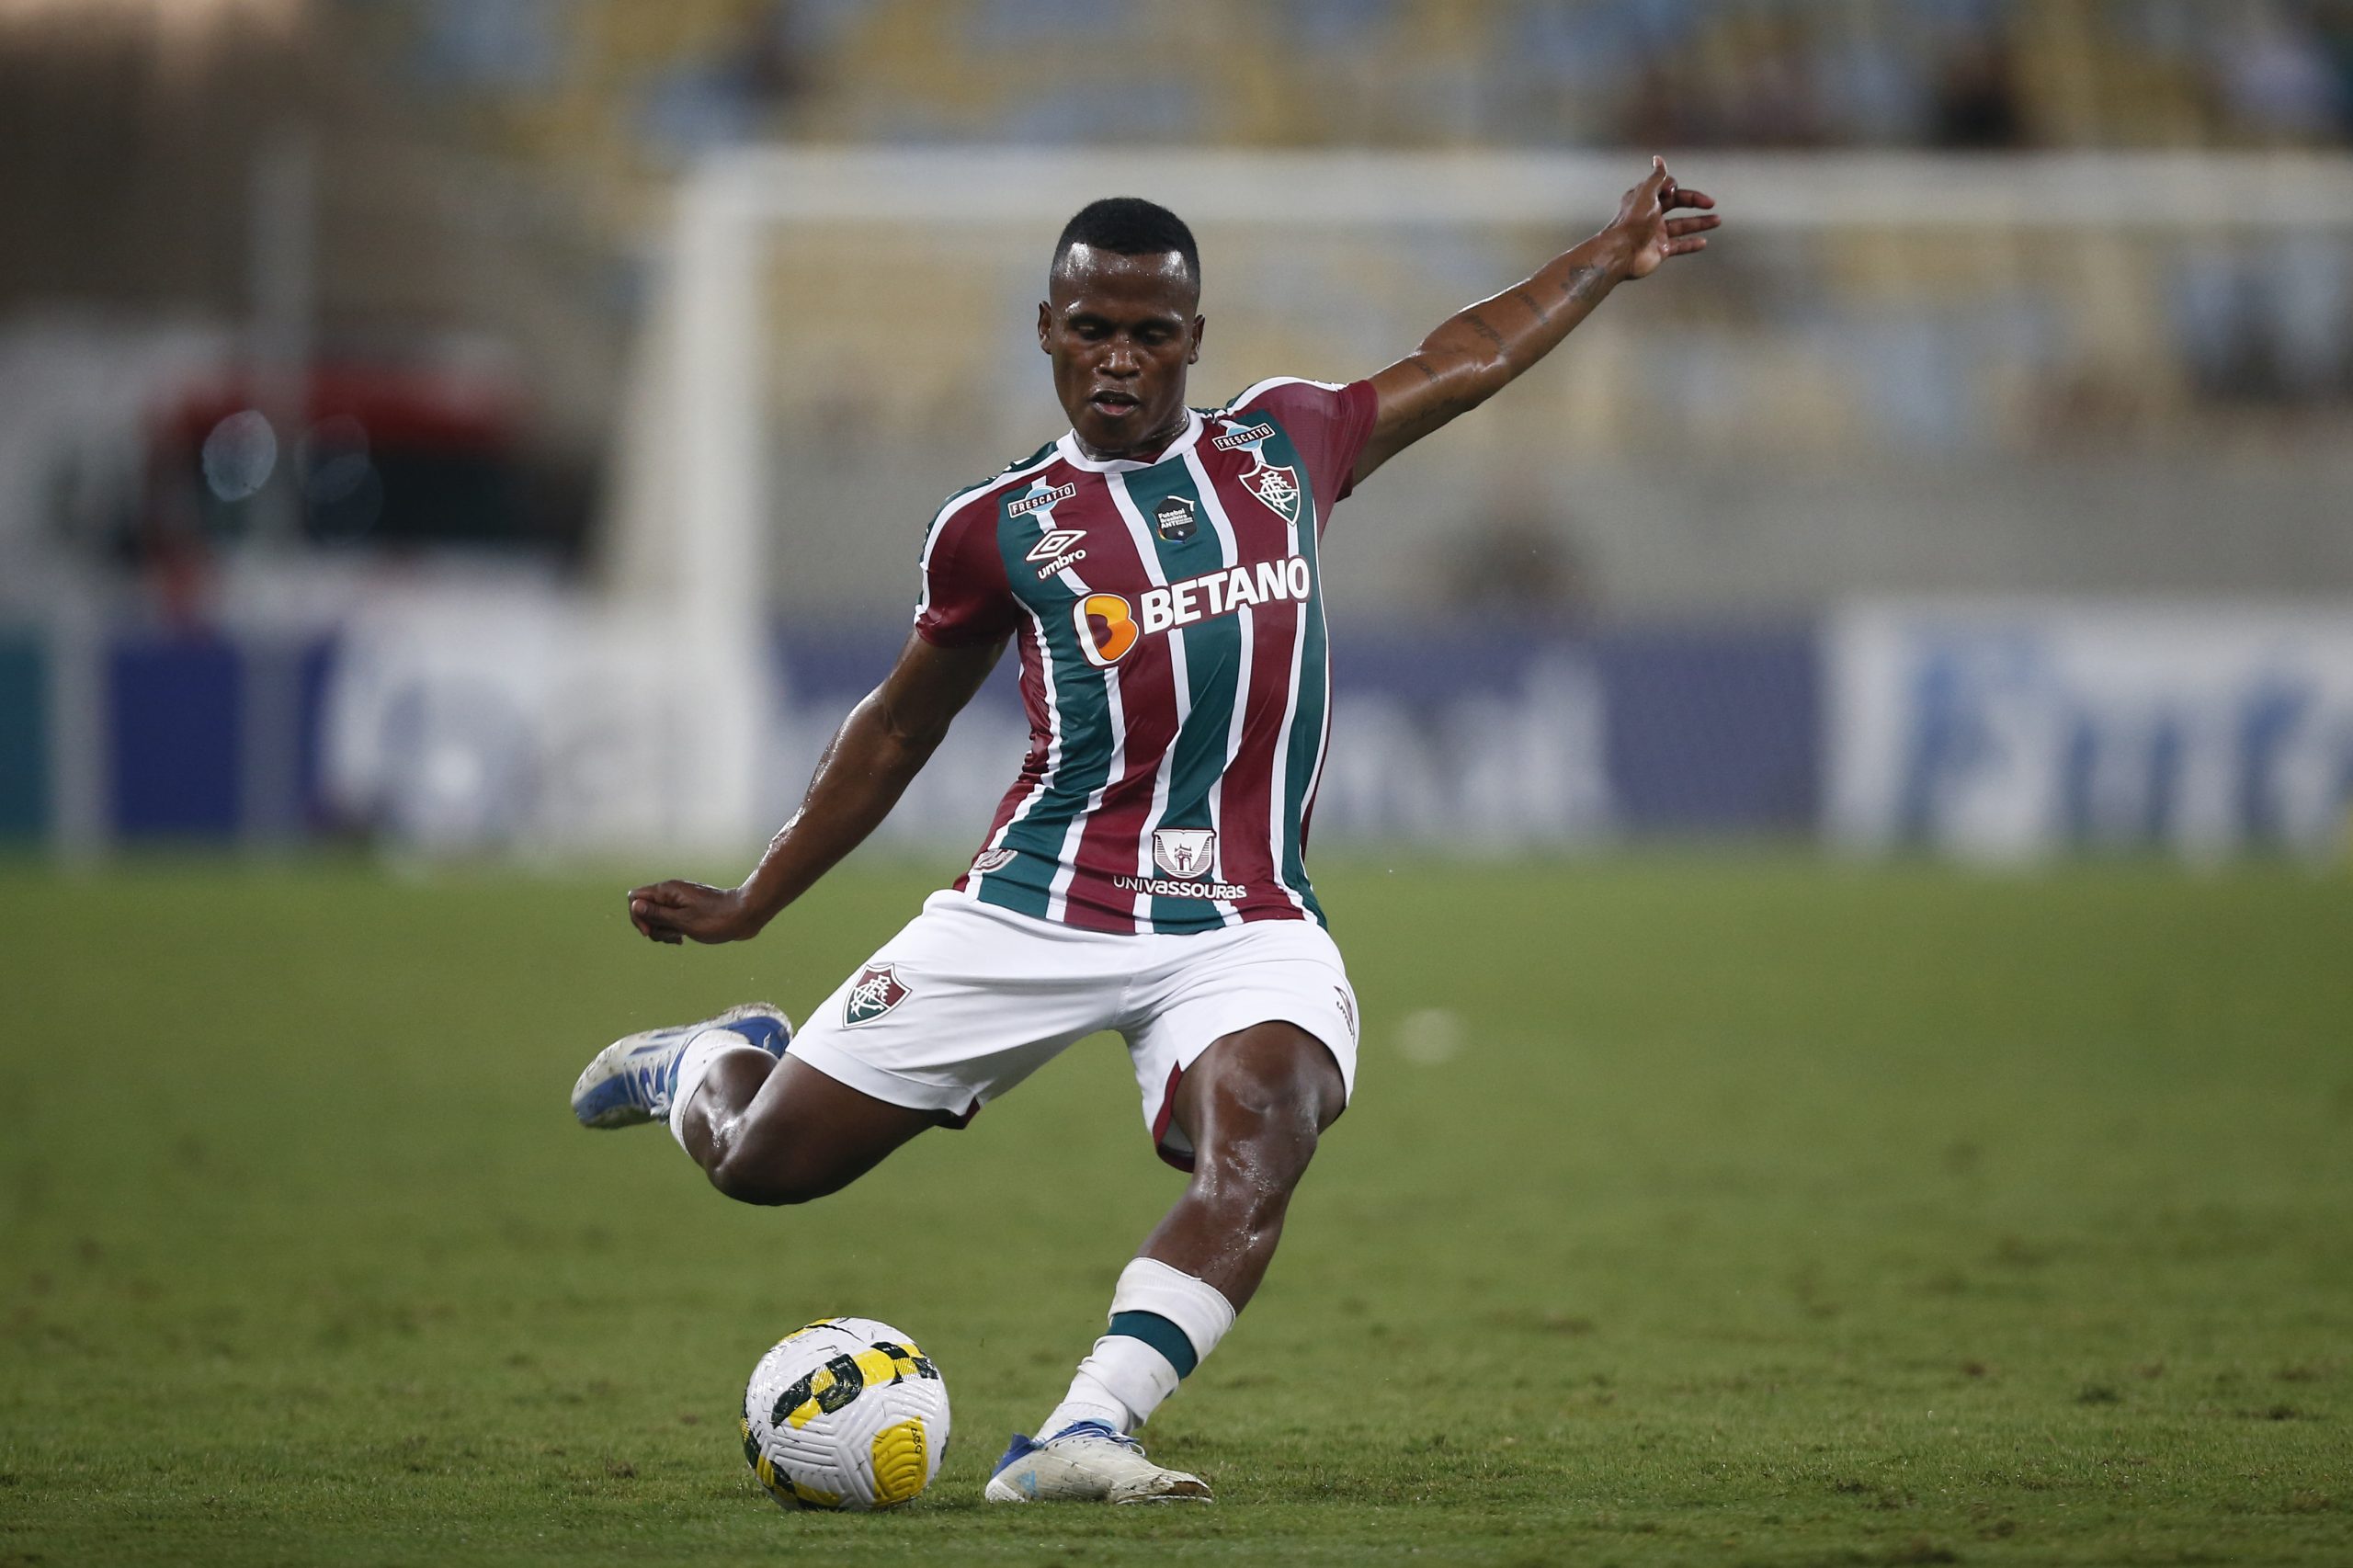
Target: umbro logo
(1059, 549)
(1053, 541)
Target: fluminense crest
(875, 992)
(1277, 489)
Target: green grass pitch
(1771, 1212)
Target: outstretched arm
(1479, 352)
(879, 748)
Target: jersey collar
(1076, 457)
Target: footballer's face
(1120, 331)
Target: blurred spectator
(2276, 79)
(741, 92)
(494, 45)
(2267, 325)
(1977, 106)
(1772, 99)
(1873, 91)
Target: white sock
(1128, 1363)
(694, 1066)
(1122, 1381)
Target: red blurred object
(434, 410)
(376, 461)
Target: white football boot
(631, 1080)
(1088, 1463)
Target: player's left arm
(1481, 350)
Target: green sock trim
(1161, 1335)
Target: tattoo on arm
(1424, 367)
(1580, 284)
(1539, 311)
(1438, 413)
(1478, 323)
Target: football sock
(1163, 1323)
(694, 1065)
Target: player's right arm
(877, 751)
(966, 614)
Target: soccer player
(1159, 567)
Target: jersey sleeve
(1328, 424)
(965, 597)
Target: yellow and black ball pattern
(845, 1413)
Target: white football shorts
(970, 999)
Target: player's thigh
(1218, 992)
(1261, 1096)
(806, 1134)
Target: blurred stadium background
(505, 426)
(495, 436)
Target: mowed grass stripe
(1764, 1211)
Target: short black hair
(1129, 226)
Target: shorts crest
(875, 992)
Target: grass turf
(1770, 1212)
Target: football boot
(1088, 1463)
(631, 1081)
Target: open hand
(1647, 222)
(673, 911)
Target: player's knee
(1260, 1140)
(1265, 1161)
(1282, 1089)
(1249, 1195)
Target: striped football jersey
(1174, 662)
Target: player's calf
(1253, 1105)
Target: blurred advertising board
(23, 736)
(1479, 738)
(2014, 731)
(459, 724)
(503, 722)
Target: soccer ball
(846, 1414)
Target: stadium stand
(642, 89)
(640, 84)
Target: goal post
(736, 201)
(1870, 325)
